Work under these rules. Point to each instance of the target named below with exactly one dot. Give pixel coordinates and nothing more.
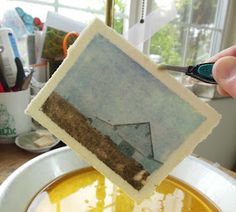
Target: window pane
(168, 43)
(44, 1)
(183, 10)
(203, 12)
(34, 9)
(182, 7)
(120, 16)
(84, 17)
(199, 45)
(97, 5)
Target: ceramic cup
(13, 120)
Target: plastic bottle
(8, 53)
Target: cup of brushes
(13, 102)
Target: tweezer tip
(161, 67)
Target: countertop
(12, 157)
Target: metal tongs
(202, 72)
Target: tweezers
(202, 72)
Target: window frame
(58, 5)
(217, 30)
(133, 12)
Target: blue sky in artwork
(106, 83)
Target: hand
(224, 71)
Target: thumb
(224, 72)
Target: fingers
(222, 67)
(222, 92)
(224, 72)
(227, 52)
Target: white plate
(19, 188)
(28, 144)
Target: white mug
(13, 120)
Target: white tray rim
(197, 173)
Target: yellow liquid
(88, 190)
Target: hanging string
(142, 12)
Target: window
(80, 10)
(193, 36)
